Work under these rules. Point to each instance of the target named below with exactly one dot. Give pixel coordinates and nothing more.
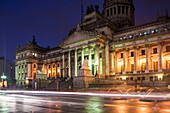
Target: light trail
(138, 95)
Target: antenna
(82, 11)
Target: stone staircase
(59, 84)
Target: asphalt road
(14, 103)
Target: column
(147, 69)
(103, 61)
(97, 58)
(82, 56)
(126, 60)
(69, 64)
(29, 67)
(114, 63)
(135, 63)
(90, 61)
(76, 73)
(107, 58)
(63, 65)
(160, 58)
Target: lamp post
(3, 77)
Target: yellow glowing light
(27, 81)
(123, 78)
(167, 58)
(143, 60)
(58, 70)
(160, 77)
(121, 63)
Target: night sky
(50, 20)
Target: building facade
(111, 42)
(7, 68)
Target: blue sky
(51, 20)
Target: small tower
(120, 12)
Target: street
(17, 103)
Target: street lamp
(3, 77)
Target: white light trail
(163, 95)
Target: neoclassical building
(114, 46)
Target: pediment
(78, 36)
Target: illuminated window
(53, 74)
(53, 65)
(155, 50)
(155, 65)
(142, 52)
(143, 66)
(152, 31)
(132, 67)
(167, 48)
(122, 68)
(130, 36)
(145, 33)
(168, 64)
(34, 76)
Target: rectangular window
(132, 54)
(132, 67)
(121, 55)
(86, 57)
(111, 11)
(127, 8)
(100, 55)
(167, 48)
(123, 9)
(107, 12)
(142, 52)
(155, 65)
(119, 9)
(121, 68)
(79, 59)
(92, 56)
(168, 64)
(143, 66)
(143, 78)
(155, 50)
(114, 10)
